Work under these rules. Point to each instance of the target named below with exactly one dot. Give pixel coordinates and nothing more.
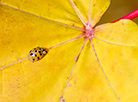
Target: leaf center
(89, 31)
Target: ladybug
(37, 53)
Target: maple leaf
(84, 63)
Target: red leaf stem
(130, 16)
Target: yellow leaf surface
(57, 10)
(22, 32)
(104, 59)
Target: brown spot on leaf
(122, 23)
(62, 99)
(75, 3)
(94, 4)
(74, 82)
(73, 24)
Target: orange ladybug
(37, 53)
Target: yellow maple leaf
(84, 63)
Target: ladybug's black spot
(38, 58)
(39, 51)
(35, 50)
(35, 55)
(33, 59)
(40, 54)
(46, 52)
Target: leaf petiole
(130, 16)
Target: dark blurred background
(118, 9)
